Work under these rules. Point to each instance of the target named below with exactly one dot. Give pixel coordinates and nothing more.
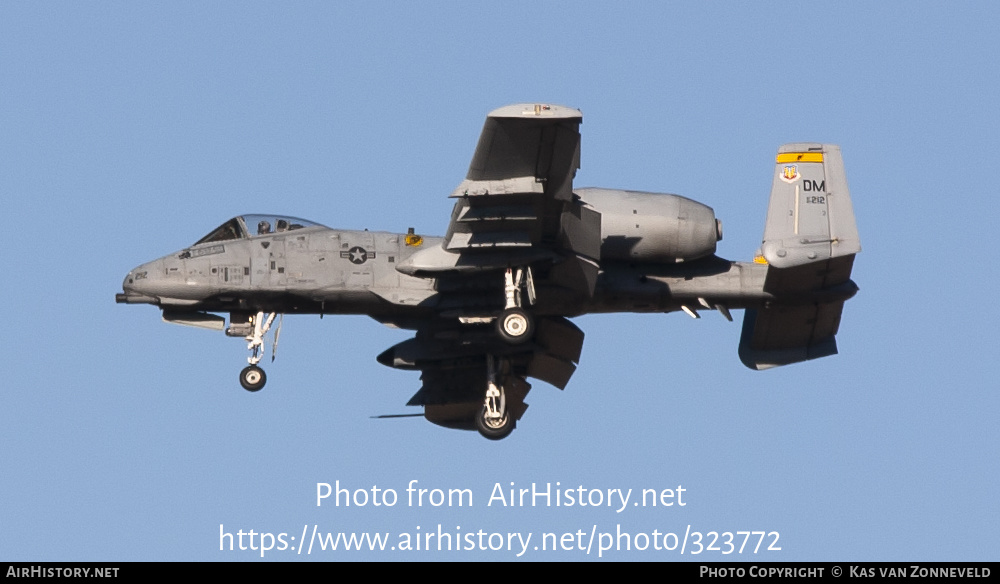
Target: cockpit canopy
(247, 226)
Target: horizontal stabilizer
(789, 334)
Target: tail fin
(810, 240)
(810, 217)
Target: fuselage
(657, 254)
(320, 270)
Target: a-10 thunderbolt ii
(525, 251)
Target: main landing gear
(494, 421)
(252, 377)
(515, 325)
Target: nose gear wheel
(252, 378)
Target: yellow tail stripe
(786, 157)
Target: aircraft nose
(135, 278)
(133, 288)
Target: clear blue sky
(130, 129)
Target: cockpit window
(246, 226)
(268, 224)
(229, 230)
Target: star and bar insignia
(357, 255)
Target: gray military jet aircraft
(524, 251)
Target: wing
(452, 362)
(516, 206)
(514, 210)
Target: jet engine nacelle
(653, 227)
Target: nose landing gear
(252, 377)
